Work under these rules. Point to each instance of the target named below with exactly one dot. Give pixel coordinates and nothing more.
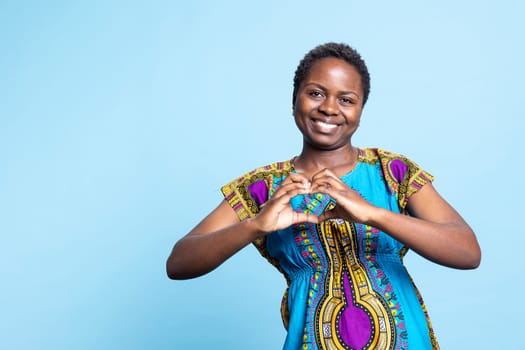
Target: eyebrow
(344, 92)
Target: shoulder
(397, 165)
(402, 174)
(248, 192)
(277, 169)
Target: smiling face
(328, 104)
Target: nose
(329, 106)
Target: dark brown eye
(346, 100)
(315, 93)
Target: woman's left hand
(434, 229)
(350, 205)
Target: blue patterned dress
(347, 285)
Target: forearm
(198, 253)
(451, 244)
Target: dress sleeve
(248, 193)
(403, 176)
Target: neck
(340, 160)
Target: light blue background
(120, 120)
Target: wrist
(253, 228)
(377, 216)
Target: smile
(323, 126)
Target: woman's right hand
(221, 234)
(277, 213)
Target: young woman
(336, 220)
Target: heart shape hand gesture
(320, 198)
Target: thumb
(331, 214)
(303, 217)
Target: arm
(221, 234)
(435, 230)
(211, 242)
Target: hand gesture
(277, 213)
(350, 205)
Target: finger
(327, 182)
(296, 178)
(323, 173)
(330, 214)
(299, 218)
(286, 194)
(326, 186)
(291, 187)
(335, 213)
(292, 183)
(326, 175)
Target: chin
(325, 146)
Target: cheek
(355, 117)
(299, 120)
(302, 109)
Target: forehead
(331, 70)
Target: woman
(336, 220)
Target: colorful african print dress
(347, 285)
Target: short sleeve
(403, 176)
(249, 192)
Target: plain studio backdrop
(121, 120)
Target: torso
(347, 285)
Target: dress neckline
(360, 157)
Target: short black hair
(336, 50)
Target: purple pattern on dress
(259, 192)
(354, 324)
(398, 169)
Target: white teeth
(325, 125)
